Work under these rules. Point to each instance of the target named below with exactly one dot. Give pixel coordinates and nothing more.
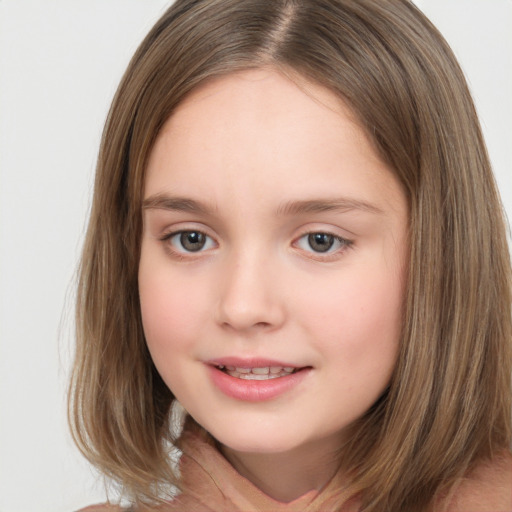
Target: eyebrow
(340, 204)
(179, 204)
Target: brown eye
(189, 241)
(192, 241)
(320, 242)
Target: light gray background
(60, 62)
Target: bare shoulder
(487, 489)
(106, 507)
(102, 507)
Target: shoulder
(170, 506)
(104, 507)
(488, 488)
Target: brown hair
(448, 405)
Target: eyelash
(184, 254)
(328, 255)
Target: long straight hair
(448, 405)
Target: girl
(296, 236)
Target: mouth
(256, 379)
(257, 373)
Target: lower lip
(255, 390)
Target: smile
(255, 380)
(263, 373)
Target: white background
(60, 62)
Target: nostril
(262, 324)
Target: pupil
(192, 240)
(320, 242)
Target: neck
(288, 475)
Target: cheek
(172, 315)
(170, 308)
(360, 316)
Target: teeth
(255, 376)
(260, 371)
(272, 372)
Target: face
(272, 265)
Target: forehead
(262, 96)
(264, 85)
(260, 131)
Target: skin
(247, 146)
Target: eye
(322, 242)
(190, 241)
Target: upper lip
(251, 362)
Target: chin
(257, 441)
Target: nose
(250, 295)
